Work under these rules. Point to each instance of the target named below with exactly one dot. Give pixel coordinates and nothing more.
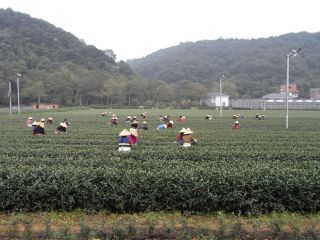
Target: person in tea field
(162, 126)
(29, 122)
(62, 128)
(103, 114)
(166, 119)
(50, 120)
(133, 137)
(144, 126)
(128, 120)
(170, 124)
(179, 137)
(38, 129)
(134, 118)
(113, 120)
(235, 116)
(134, 124)
(123, 141)
(209, 117)
(182, 119)
(66, 121)
(34, 124)
(144, 115)
(236, 125)
(43, 120)
(187, 138)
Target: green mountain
(55, 65)
(254, 67)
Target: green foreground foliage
(260, 168)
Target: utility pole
(293, 53)
(222, 77)
(9, 95)
(18, 75)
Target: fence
(302, 104)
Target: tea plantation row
(260, 168)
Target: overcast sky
(136, 28)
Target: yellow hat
(63, 124)
(188, 131)
(41, 124)
(134, 132)
(124, 133)
(182, 130)
(35, 123)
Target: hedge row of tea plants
(260, 168)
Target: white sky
(136, 28)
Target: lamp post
(18, 92)
(9, 95)
(293, 53)
(222, 77)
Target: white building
(213, 100)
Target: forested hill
(55, 65)
(255, 67)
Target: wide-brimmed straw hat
(35, 123)
(134, 132)
(236, 122)
(30, 118)
(42, 120)
(134, 122)
(182, 130)
(171, 122)
(41, 124)
(144, 122)
(188, 131)
(50, 118)
(63, 124)
(113, 115)
(124, 133)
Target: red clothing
(181, 120)
(132, 139)
(179, 137)
(236, 126)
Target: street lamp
(222, 77)
(293, 53)
(18, 75)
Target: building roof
(217, 94)
(292, 87)
(277, 96)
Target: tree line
(255, 67)
(57, 67)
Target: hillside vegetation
(55, 65)
(254, 67)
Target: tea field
(261, 168)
